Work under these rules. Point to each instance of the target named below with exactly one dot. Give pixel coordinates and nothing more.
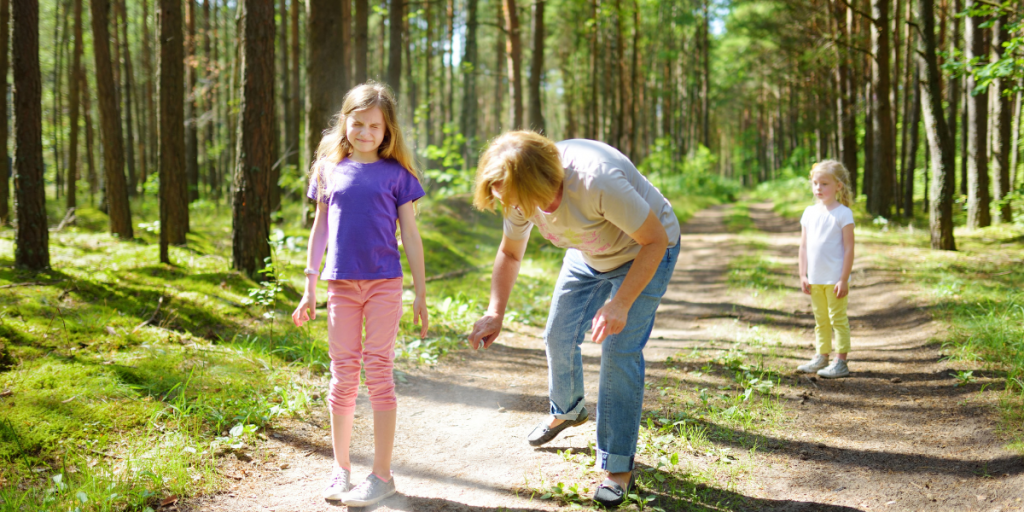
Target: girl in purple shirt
(363, 181)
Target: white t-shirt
(825, 250)
(604, 199)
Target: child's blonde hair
(334, 146)
(527, 168)
(845, 193)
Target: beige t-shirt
(604, 199)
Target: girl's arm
(843, 286)
(414, 253)
(805, 285)
(306, 309)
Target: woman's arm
(653, 240)
(843, 286)
(503, 278)
(414, 253)
(805, 285)
(306, 309)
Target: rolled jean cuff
(568, 416)
(614, 463)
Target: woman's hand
(610, 319)
(842, 289)
(420, 315)
(805, 285)
(306, 310)
(486, 330)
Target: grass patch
(738, 219)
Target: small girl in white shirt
(826, 260)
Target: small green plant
(964, 378)
(265, 295)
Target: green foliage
(693, 176)
(447, 174)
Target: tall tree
(913, 122)
(940, 139)
(955, 95)
(705, 83)
(251, 208)
(395, 15)
(1001, 115)
(5, 191)
(515, 59)
(90, 162)
(284, 81)
(469, 72)
(32, 240)
(362, 38)
(174, 215)
(147, 68)
(537, 66)
(324, 69)
(292, 138)
(110, 124)
(847, 87)
(978, 198)
(127, 88)
(884, 175)
(191, 124)
(500, 63)
(73, 92)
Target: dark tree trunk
(395, 25)
(174, 216)
(1015, 141)
(285, 81)
(362, 33)
(251, 211)
(537, 67)
(515, 58)
(954, 96)
(913, 121)
(127, 87)
(191, 137)
(32, 240)
(978, 198)
(292, 138)
(324, 69)
(428, 80)
(1002, 118)
(469, 106)
(110, 124)
(5, 183)
(869, 141)
(500, 63)
(883, 176)
(940, 140)
(705, 84)
(847, 95)
(147, 68)
(73, 92)
(91, 176)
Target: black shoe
(541, 434)
(611, 494)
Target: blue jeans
(579, 293)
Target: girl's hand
(306, 310)
(842, 289)
(610, 319)
(805, 285)
(420, 315)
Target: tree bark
(537, 67)
(73, 93)
(5, 184)
(91, 176)
(500, 63)
(292, 138)
(191, 137)
(110, 124)
(913, 121)
(285, 81)
(32, 240)
(395, 25)
(978, 198)
(147, 67)
(324, 69)
(954, 96)
(846, 97)
(251, 209)
(1002, 117)
(362, 39)
(514, 51)
(940, 140)
(127, 88)
(881, 199)
(869, 140)
(469, 104)
(174, 215)
(705, 84)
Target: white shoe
(818, 362)
(836, 370)
(337, 485)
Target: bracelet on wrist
(310, 271)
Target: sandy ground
(899, 434)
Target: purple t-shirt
(363, 201)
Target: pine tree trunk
(469, 71)
(91, 176)
(174, 215)
(129, 143)
(449, 69)
(191, 135)
(500, 64)
(1002, 118)
(881, 199)
(58, 109)
(73, 93)
(147, 68)
(251, 209)
(940, 140)
(216, 164)
(292, 138)
(324, 69)
(428, 78)
(869, 142)
(595, 43)
(395, 15)
(110, 124)
(635, 89)
(362, 42)
(514, 51)
(705, 84)
(847, 95)
(1015, 141)
(285, 83)
(5, 183)
(978, 198)
(913, 121)
(537, 67)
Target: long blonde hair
(526, 166)
(835, 168)
(334, 146)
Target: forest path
(899, 434)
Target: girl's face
(825, 188)
(365, 130)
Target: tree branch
(858, 11)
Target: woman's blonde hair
(526, 168)
(334, 146)
(845, 193)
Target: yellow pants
(829, 315)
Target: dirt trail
(898, 435)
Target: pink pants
(379, 301)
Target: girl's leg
(840, 322)
(344, 335)
(822, 323)
(383, 310)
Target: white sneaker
(818, 362)
(836, 370)
(370, 491)
(337, 485)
